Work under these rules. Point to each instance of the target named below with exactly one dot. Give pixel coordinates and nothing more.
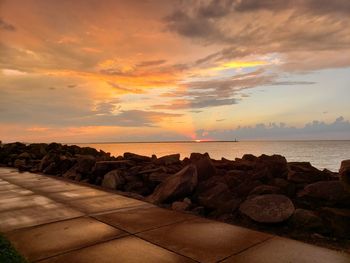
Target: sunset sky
(138, 70)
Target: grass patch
(8, 254)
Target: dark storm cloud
(6, 26)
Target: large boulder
(271, 167)
(113, 180)
(103, 167)
(308, 220)
(265, 189)
(304, 172)
(344, 173)
(48, 159)
(168, 159)
(339, 220)
(85, 164)
(268, 208)
(176, 186)
(204, 165)
(136, 157)
(326, 193)
(218, 197)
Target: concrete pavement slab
(141, 219)
(282, 250)
(122, 250)
(52, 239)
(105, 203)
(204, 240)
(35, 215)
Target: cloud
(339, 129)
(150, 63)
(6, 26)
(248, 27)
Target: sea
(321, 154)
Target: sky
(165, 70)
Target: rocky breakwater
(265, 192)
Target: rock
(168, 159)
(135, 157)
(49, 159)
(176, 186)
(326, 192)
(307, 220)
(137, 186)
(52, 168)
(268, 208)
(288, 188)
(344, 173)
(339, 220)
(113, 180)
(204, 165)
(250, 158)
(271, 167)
(158, 177)
(24, 156)
(234, 178)
(304, 172)
(180, 206)
(21, 164)
(38, 150)
(243, 189)
(85, 164)
(218, 197)
(103, 167)
(265, 189)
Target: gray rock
(268, 208)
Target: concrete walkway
(50, 220)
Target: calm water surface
(322, 154)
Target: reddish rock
(304, 172)
(85, 164)
(136, 157)
(234, 178)
(168, 159)
(219, 197)
(307, 220)
(176, 186)
(339, 220)
(268, 208)
(204, 165)
(265, 189)
(103, 167)
(326, 192)
(344, 173)
(113, 180)
(180, 206)
(271, 167)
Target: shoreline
(266, 193)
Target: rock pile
(260, 191)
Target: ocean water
(321, 154)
